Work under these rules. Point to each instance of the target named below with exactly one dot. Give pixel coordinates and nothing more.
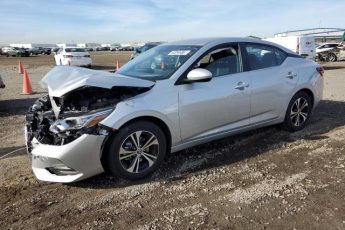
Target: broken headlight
(73, 123)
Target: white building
(321, 34)
(62, 45)
(82, 45)
(31, 45)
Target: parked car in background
(73, 56)
(47, 51)
(114, 48)
(301, 45)
(332, 54)
(55, 50)
(172, 97)
(99, 49)
(126, 48)
(22, 52)
(326, 47)
(142, 49)
(36, 50)
(9, 51)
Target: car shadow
(328, 115)
(12, 151)
(13, 107)
(333, 67)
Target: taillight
(67, 56)
(321, 70)
(86, 55)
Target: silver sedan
(172, 97)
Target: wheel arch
(310, 94)
(161, 124)
(305, 90)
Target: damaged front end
(63, 132)
(60, 120)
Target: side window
(280, 56)
(222, 61)
(261, 56)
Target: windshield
(71, 50)
(159, 62)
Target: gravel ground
(264, 179)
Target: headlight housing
(74, 123)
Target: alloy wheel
(332, 57)
(299, 112)
(139, 151)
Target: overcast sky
(77, 21)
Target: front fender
(130, 110)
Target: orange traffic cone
(117, 65)
(20, 68)
(27, 89)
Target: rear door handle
(291, 75)
(241, 85)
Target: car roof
(220, 40)
(205, 41)
(329, 43)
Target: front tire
(298, 112)
(332, 57)
(136, 151)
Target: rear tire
(332, 57)
(298, 112)
(136, 150)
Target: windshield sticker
(179, 52)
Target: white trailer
(302, 45)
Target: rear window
(280, 56)
(71, 50)
(262, 56)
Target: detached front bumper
(72, 162)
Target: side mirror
(199, 75)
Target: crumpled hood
(63, 79)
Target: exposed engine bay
(60, 120)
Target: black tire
(332, 57)
(296, 118)
(135, 164)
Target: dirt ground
(264, 179)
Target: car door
(273, 79)
(220, 105)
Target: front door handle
(241, 85)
